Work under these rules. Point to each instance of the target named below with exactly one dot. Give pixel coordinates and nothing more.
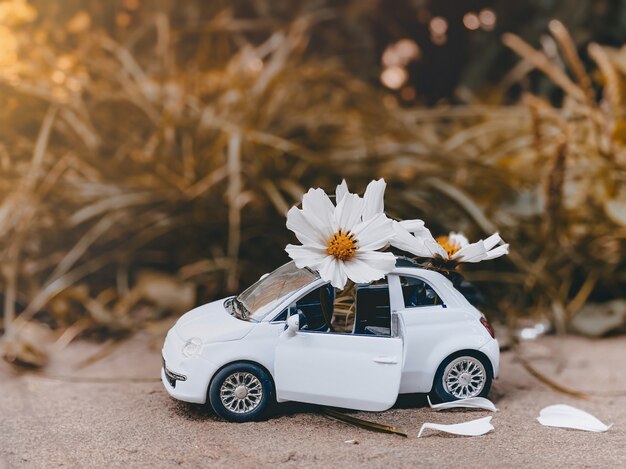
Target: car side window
(282, 317)
(418, 293)
(373, 311)
(316, 309)
(358, 309)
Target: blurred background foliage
(149, 150)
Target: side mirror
(293, 323)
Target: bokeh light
(390, 57)
(438, 26)
(407, 49)
(394, 77)
(400, 53)
(487, 19)
(471, 21)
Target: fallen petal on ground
(565, 416)
(469, 403)
(471, 428)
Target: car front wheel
(462, 375)
(241, 392)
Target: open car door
(358, 372)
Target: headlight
(192, 347)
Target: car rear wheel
(462, 375)
(241, 392)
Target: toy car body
(413, 333)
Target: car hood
(212, 323)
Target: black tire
(440, 391)
(258, 383)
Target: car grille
(171, 376)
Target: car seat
(373, 314)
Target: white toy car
(413, 333)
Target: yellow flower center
(342, 245)
(450, 246)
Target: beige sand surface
(48, 422)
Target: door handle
(385, 360)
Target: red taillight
(485, 323)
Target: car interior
(417, 293)
(373, 314)
(316, 309)
(373, 311)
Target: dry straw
(164, 162)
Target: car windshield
(271, 290)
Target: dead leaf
(366, 424)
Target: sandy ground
(58, 422)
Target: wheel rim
(464, 377)
(241, 392)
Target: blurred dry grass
(138, 177)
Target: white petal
(412, 226)
(307, 233)
(348, 212)
(383, 261)
(423, 245)
(374, 233)
(403, 239)
(497, 252)
(565, 416)
(424, 235)
(374, 199)
(436, 249)
(469, 403)
(341, 191)
(360, 272)
(366, 267)
(340, 278)
(331, 270)
(458, 238)
(474, 252)
(325, 269)
(492, 241)
(471, 428)
(304, 256)
(319, 210)
(430, 244)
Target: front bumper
(171, 376)
(185, 379)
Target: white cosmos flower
(412, 236)
(341, 242)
